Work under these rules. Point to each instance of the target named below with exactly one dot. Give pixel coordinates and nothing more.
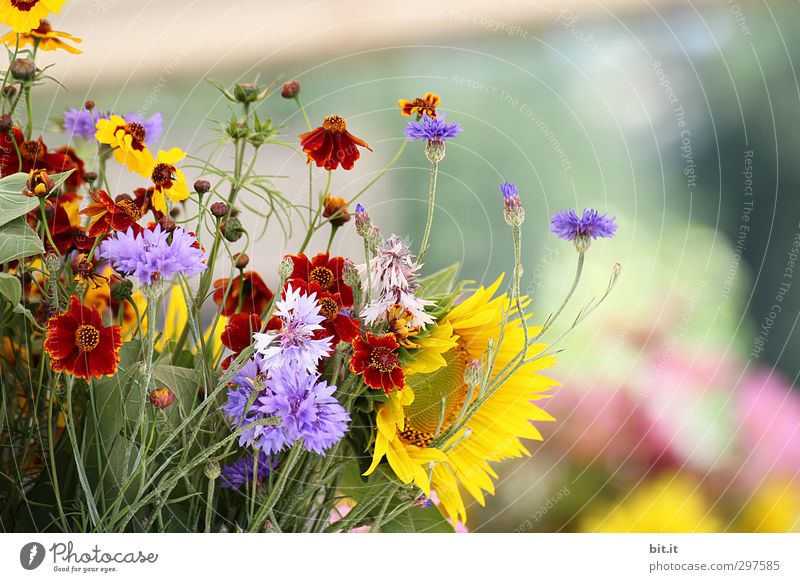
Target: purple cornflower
(80, 123)
(241, 410)
(154, 255)
(513, 212)
(363, 222)
(241, 471)
(306, 406)
(300, 316)
(432, 129)
(153, 125)
(582, 229)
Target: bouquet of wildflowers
(144, 392)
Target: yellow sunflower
(24, 15)
(128, 141)
(168, 179)
(435, 393)
(44, 38)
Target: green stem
(209, 504)
(551, 320)
(277, 489)
(380, 174)
(431, 206)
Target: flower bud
(363, 222)
(161, 398)
(39, 184)
(285, 269)
(513, 212)
(582, 243)
(245, 92)
(219, 209)
(473, 374)
(337, 208)
(89, 105)
(435, 150)
(241, 260)
(6, 123)
(166, 223)
(350, 275)
(202, 186)
(10, 92)
(121, 290)
(232, 229)
(23, 69)
(52, 262)
(90, 177)
(290, 89)
(212, 470)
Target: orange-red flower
(64, 224)
(162, 397)
(336, 209)
(337, 324)
(420, 106)
(325, 271)
(249, 291)
(238, 334)
(331, 144)
(79, 344)
(110, 215)
(375, 356)
(34, 155)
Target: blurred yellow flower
(44, 38)
(773, 508)
(24, 15)
(667, 504)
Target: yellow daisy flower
(167, 179)
(44, 38)
(128, 141)
(435, 394)
(24, 15)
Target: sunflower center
(86, 338)
(129, 207)
(162, 175)
(438, 399)
(383, 360)
(334, 124)
(328, 308)
(24, 5)
(29, 150)
(136, 131)
(323, 276)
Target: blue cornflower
(154, 255)
(582, 229)
(241, 471)
(80, 123)
(432, 129)
(296, 342)
(513, 212)
(306, 406)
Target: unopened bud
(52, 262)
(435, 150)
(6, 123)
(202, 186)
(232, 229)
(89, 105)
(245, 92)
(363, 222)
(285, 269)
(212, 470)
(350, 274)
(473, 374)
(166, 223)
(10, 92)
(241, 260)
(161, 398)
(290, 89)
(513, 212)
(219, 209)
(23, 69)
(90, 177)
(39, 184)
(121, 290)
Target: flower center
(136, 131)
(323, 276)
(129, 207)
(334, 124)
(383, 359)
(438, 399)
(328, 308)
(162, 175)
(24, 5)
(29, 150)
(44, 27)
(86, 338)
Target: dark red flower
(64, 225)
(238, 334)
(34, 155)
(325, 271)
(110, 215)
(250, 287)
(331, 144)
(375, 356)
(79, 344)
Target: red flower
(162, 397)
(238, 334)
(64, 224)
(326, 272)
(331, 144)
(109, 215)
(250, 287)
(79, 344)
(420, 106)
(34, 155)
(337, 323)
(375, 357)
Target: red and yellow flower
(25, 15)
(110, 215)
(128, 140)
(43, 37)
(19, 155)
(168, 179)
(337, 324)
(238, 334)
(247, 294)
(375, 356)
(331, 144)
(425, 105)
(79, 344)
(324, 271)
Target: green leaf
(18, 241)
(13, 203)
(440, 282)
(418, 520)
(10, 288)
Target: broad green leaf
(10, 288)
(13, 203)
(419, 520)
(440, 282)
(18, 241)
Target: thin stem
(209, 504)
(277, 489)
(431, 206)
(380, 174)
(551, 320)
